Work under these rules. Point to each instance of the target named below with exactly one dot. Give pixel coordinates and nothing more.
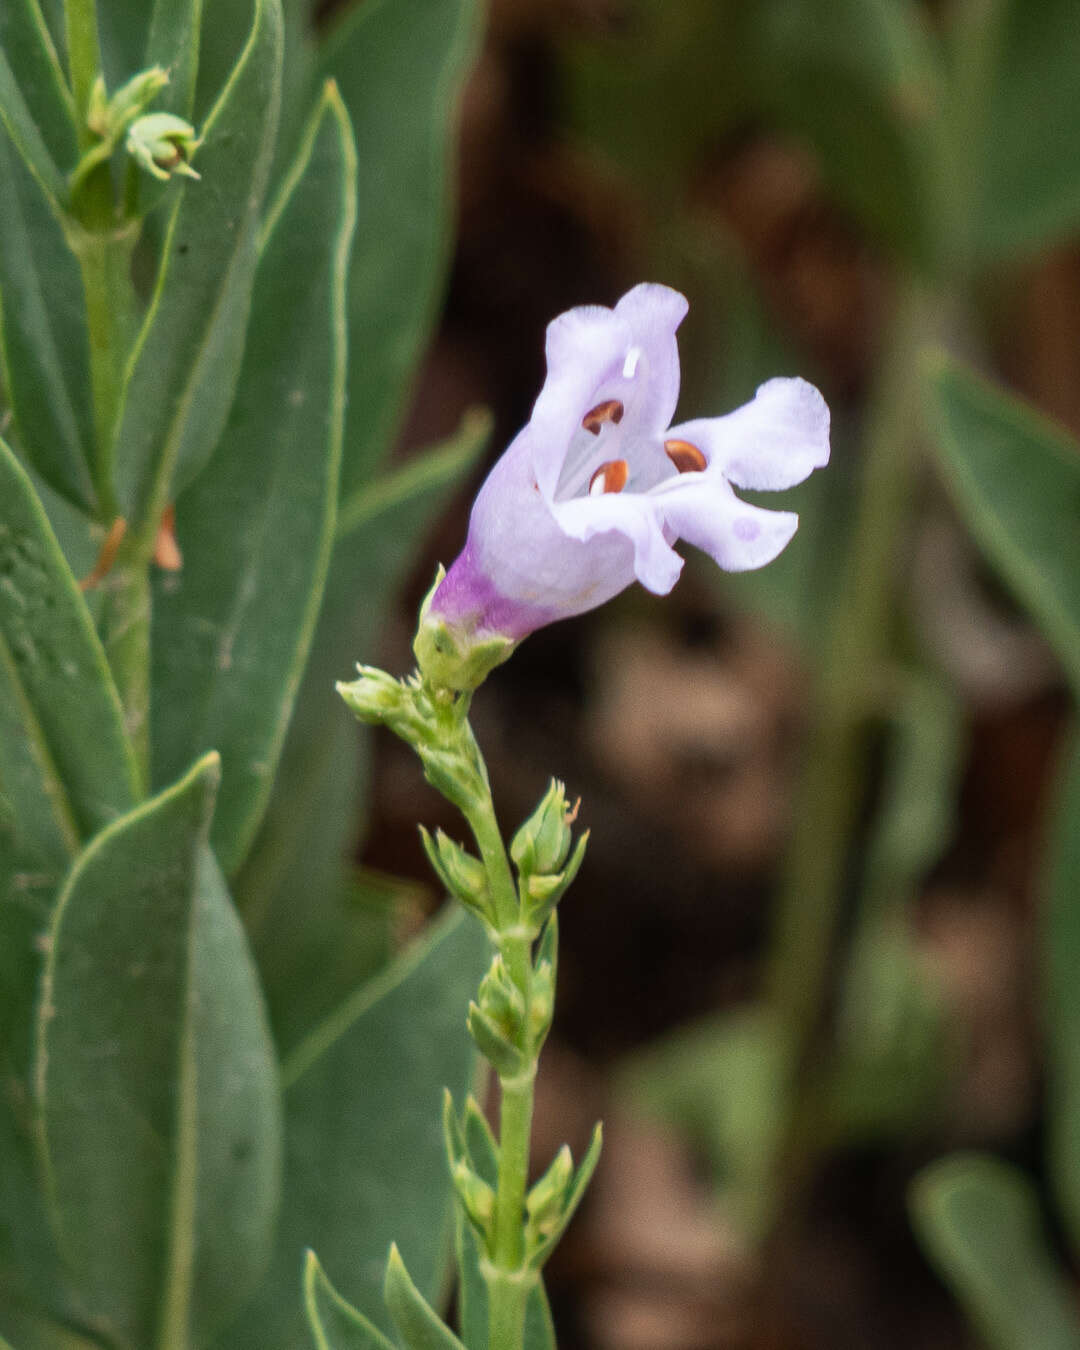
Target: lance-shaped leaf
(43, 343)
(18, 121)
(379, 50)
(1025, 136)
(312, 825)
(335, 1324)
(173, 43)
(186, 361)
(978, 1220)
(66, 766)
(25, 38)
(419, 1325)
(1016, 479)
(232, 628)
(364, 1156)
(155, 1078)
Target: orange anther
(611, 410)
(686, 457)
(609, 477)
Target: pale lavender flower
(594, 490)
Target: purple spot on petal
(746, 529)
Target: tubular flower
(596, 488)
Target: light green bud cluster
(464, 876)
(109, 118)
(541, 851)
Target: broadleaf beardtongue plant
(596, 488)
(590, 495)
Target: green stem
(857, 645)
(84, 59)
(508, 1279)
(125, 630)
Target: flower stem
(508, 1279)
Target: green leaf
(43, 342)
(25, 38)
(859, 80)
(1060, 956)
(364, 1156)
(65, 763)
(310, 829)
(173, 43)
(183, 371)
(1027, 147)
(979, 1223)
(232, 629)
(1016, 479)
(335, 1324)
(419, 1325)
(573, 1198)
(18, 121)
(156, 1081)
(380, 49)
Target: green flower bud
(463, 875)
(502, 1053)
(376, 697)
(163, 144)
(541, 1002)
(501, 1000)
(546, 1200)
(476, 1196)
(540, 894)
(543, 842)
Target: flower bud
(376, 697)
(546, 1200)
(476, 1196)
(504, 1056)
(543, 842)
(163, 144)
(462, 874)
(501, 1000)
(541, 1002)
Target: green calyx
(453, 658)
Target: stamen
(630, 365)
(686, 457)
(611, 410)
(609, 477)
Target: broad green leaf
(1061, 960)
(364, 1157)
(43, 343)
(156, 1080)
(221, 44)
(18, 121)
(65, 764)
(312, 824)
(1016, 479)
(380, 49)
(419, 1325)
(173, 43)
(184, 368)
(335, 1324)
(28, 44)
(1027, 142)
(232, 628)
(978, 1221)
(123, 28)
(859, 80)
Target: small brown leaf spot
(609, 477)
(167, 553)
(686, 457)
(107, 556)
(611, 410)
